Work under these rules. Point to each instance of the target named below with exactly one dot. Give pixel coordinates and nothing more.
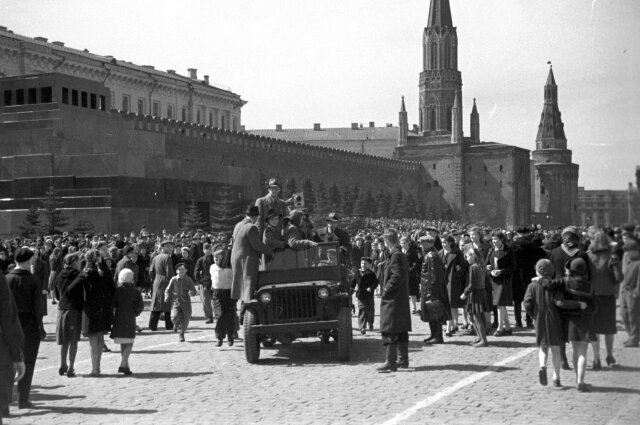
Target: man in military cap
(271, 201)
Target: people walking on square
(631, 293)
(433, 289)
(224, 307)
(68, 290)
(178, 293)
(499, 264)
(395, 316)
(97, 313)
(410, 249)
(606, 274)
(576, 304)
(12, 367)
(27, 293)
(161, 271)
(539, 303)
(477, 302)
(455, 268)
(203, 280)
(365, 283)
(127, 304)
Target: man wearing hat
(271, 201)
(161, 271)
(332, 233)
(26, 292)
(526, 254)
(245, 256)
(128, 261)
(630, 293)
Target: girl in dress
(476, 296)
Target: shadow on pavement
(614, 390)
(509, 344)
(463, 367)
(42, 387)
(155, 375)
(43, 410)
(160, 351)
(620, 368)
(48, 397)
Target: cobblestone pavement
(304, 383)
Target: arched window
(433, 55)
(449, 117)
(432, 118)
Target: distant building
(142, 89)
(608, 208)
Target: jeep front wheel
(251, 342)
(344, 333)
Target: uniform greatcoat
(245, 259)
(160, 271)
(395, 316)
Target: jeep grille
(295, 303)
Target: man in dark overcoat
(433, 287)
(161, 271)
(245, 256)
(27, 293)
(395, 316)
(271, 201)
(525, 254)
(11, 346)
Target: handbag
(433, 311)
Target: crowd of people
(460, 279)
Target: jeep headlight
(323, 293)
(265, 297)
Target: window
(222, 126)
(432, 118)
(434, 166)
(74, 97)
(198, 116)
(184, 113)
(447, 53)
(170, 111)
(103, 103)
(32, 96)
(156, 108)
(84, 98)
(7, 98)
(125, 103)
(93, 101)
(449, 117)
(234, 126)
(211, 119)
(435, 182)
(140, 106)
(46, 95)
(20, 97)
(433, 55)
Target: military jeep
(299, 295)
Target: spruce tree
(369, 205)
(192, 218)
(398, 207)
(382, 205)
(53, 214)
(31, 224)
(410, 206)
(226, 210)
(334, 198)
(322, 202)
(290, 188)
(360, 207)
(347, 202)
(309, 196)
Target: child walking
(128, 305)
(540, 305)
(476, 295)
(224, 308)
(180, 288)
(365, 282)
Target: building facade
(133, 88)
(607, 208)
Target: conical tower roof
(440, 14)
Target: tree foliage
(30, 226)
(226, 210)
(335, 201)
(54, 217)
(309, 196)
(192, 217)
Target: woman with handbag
(500, 265)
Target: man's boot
(390, 364)
(403, 360)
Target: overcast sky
(299, 62)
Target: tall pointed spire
(403, 124)
(475, 123)
(551, 129)
(440, 14)
(456, 121)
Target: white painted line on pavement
(115, 353)
(455, 387)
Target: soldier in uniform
(271, 201)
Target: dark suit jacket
(245, 259)
(395, 316)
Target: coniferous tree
(322, 201)
(334, 198)
(83, 226)
(382, 205)
(369, 204)
(192, 217)
(410, 206)
(52, 210)
(290, 188)
(398, 207)
(226, 210)
(347, 202)
(309, 196)
(31, 224)
(360, 207)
